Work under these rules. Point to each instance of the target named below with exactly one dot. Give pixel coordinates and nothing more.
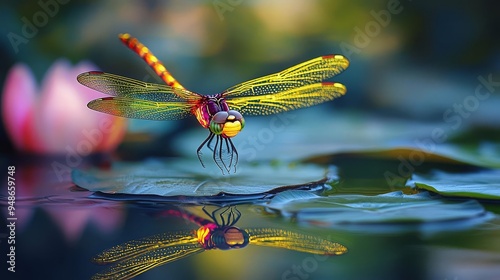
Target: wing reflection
(218, 232)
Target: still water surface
(60, 228)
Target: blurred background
(409, 59)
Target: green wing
(138, 100)
(120, 86)
(138, 256)
(296, 87)
(281, 238)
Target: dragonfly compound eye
(218, 121)
(220, 117)
(230, 238)
(228, 123)
(234, 124)
(235, 237)
(216, 128)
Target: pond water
(389, 232)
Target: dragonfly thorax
(226, 238)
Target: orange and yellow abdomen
(136, 46)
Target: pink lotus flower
(56, 120)
(72, 212)
(74, 220)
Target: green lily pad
(179, 178)
(483, 184)
(309, 133)
(393, 210)
(485, 154)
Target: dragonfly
(297, 87)
(217, 232)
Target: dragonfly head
(227, 123)
(226, 238)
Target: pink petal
(109, 130)
(113, 129)
(86, 93)
(108, 218)
(58, 119)
(17, 106)
(67, 124)
(71, 221)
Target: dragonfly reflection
(218, 232)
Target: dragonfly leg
(229, 152)
(233, 152)
(223, 153)
(227, 216)
(215, 216)
(217, 154)
(221, 215)
(210, 215)
(198, 151)
(209, 144)
(234, 216)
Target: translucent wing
(294, 241)
(286, 100)
(306, 73)
(296, 87)
(138, 256)
(120, 86)
(136, 99)
(141, 109)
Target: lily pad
(308, 133)
(303, 133)
(179, 178)
(484, 184)
(391, 211)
